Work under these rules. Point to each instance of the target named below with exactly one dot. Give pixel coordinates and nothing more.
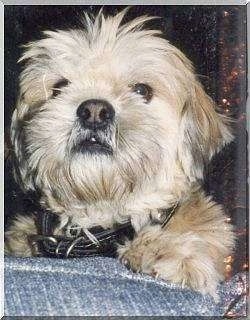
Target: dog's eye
(58, 86)
(144, 90)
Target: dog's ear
(39, 82)
(203, 132)
(37, 79)
(36, 86)
(22, 174)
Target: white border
(83, 2)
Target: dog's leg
(190, 250)
(16, 238)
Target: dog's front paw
(129, 257)
(137, 254)
(195, 272)
(179, 258)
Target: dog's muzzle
(95, 118)
(93, 144)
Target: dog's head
(108, 107)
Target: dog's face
(107, 109)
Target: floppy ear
(37, 80)
(36, 86)
(203, 132)
(22, 174)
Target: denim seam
(125, 277)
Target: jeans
(99, 286)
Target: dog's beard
(102, 165)
(115, 163)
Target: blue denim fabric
(95, 286)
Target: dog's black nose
(95, 114)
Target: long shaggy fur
(160, 148)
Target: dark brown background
(213, 37)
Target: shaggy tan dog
(112, 124)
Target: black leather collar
(61, 246)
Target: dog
(111, 125)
